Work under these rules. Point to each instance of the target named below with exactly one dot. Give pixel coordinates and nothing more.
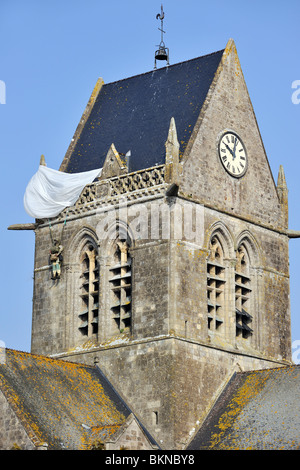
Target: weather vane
(162, 52)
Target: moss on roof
(61, 402)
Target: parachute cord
(50, 228)
(62, 229)
(64, 224)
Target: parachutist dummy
(56, 259)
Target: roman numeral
(242, 158)
(224, 158)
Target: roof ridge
(164, 68)
(49, 358)
(283, 367)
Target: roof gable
(228, 108)
(134, 114)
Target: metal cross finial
(163, 52)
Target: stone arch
(224, 237)
(82, 237)
(116, 229)
(249, 241)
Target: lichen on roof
(258, 410)
(61, 402)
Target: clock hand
(229, 150)
(235, 140)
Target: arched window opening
(243, 293)
(89, 292)
(215, 286)
(120, 286)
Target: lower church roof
(258, 410)
(73, 406)
(61, 403)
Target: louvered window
(243, 294)
(120, 286)
(215, 286)
(88, 316)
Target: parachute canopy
(51, 191)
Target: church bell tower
(174, 269)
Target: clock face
(233, 154)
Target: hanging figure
(56, 259)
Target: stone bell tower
(168, 314)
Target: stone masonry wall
(132, 438)
(150, 291)
(228, 107)
(169, 383)
(270, 307)
(12, 433)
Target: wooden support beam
(29, 226)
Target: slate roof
(135, 114)
(258, 410)
(60, 400)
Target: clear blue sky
(52, 53)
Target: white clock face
(233, 154)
